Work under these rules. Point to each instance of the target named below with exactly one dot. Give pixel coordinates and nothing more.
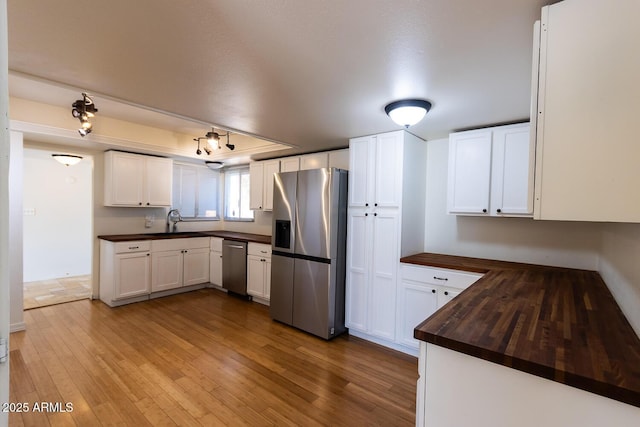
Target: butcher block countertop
(557, 323)
(231, 235)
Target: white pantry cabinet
(179, 262)
(261, 184)
(135, 180)
(422, 291)
(384, 222)
(491, 172)
(259, 272)
(125, 272)
(290, 164)
(587, 112)
(215, 261)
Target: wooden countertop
(231, 235)
(557, 323)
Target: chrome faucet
(171, 218)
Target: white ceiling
(306, 73)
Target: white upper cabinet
(290, 164)
(314, 161)
(339, 159)
(491, 172)
(261, 184)
(375, 165)
(137, 180)
(587, 150)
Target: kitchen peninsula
(555, 323)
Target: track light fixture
(213, 140)
(84, 109)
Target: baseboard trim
(17, 327)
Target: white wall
(567, 244)
(57, 223)
(619, 266)
(15, 232)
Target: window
(236, 195)
(195, 191)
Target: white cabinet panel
(388, 170)
(362, 153)
(290, 164)
(132, 275)
(512, 171)
(215, 267)
(339, 159)
(270, 167)
(358, 252)
(314, 161)
(196, 266)
(469, 172)
(259, 271)
(158, 181)
(166, 270)
(416, 303)
(256, 183)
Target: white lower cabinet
(215, 261)
(179, 262)
(259, 272)
(125, 271)
(422, 291)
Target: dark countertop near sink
(231, 235)
(557, 323)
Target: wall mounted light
(84, 109)
(407, 112)
(67, 159)
(213, 139)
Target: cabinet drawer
(259, 249)
(439, 276)
(126, 247)
(177, 244)
(216, 244)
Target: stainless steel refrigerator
(309, 250)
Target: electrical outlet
(148, 221)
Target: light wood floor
(201, 358)
(56, 291)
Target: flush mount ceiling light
(214, 165)
(67, 159)
(83, 109)
(407, 112)
(213, 139)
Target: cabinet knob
(498, 210)
(433, 291)
(375, 204)
(446, 293)
(148, 254)
(484, 210)
(148, 203)
(140, 203)
(366, 214)
(375, 214)
(367, 205)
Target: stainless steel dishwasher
(234, 266)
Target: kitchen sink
(175, 234)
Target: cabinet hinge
(3, 350)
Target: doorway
(57, 228)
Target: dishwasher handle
(235, 246)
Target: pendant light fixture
(407, 112)
(67, 159)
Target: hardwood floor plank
(201, 358)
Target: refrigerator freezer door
(312, 297)
(281, 304)
(284, 203)
(317, 213)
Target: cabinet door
(158, 181)
(267, 278)
(417, 301)
(314, 161)
(388, 169)
(512, 171)
(361, 155)
(123, 179)
(185, 180)
(132, 275)
(270, 167)
(469, 172)
(195, 266)
(290, 164)
(447, 294)
(215, 267)
(339, 159)
(384, 266)
(256, 178)
(357, 280)
(166, 270)
(255, 276)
